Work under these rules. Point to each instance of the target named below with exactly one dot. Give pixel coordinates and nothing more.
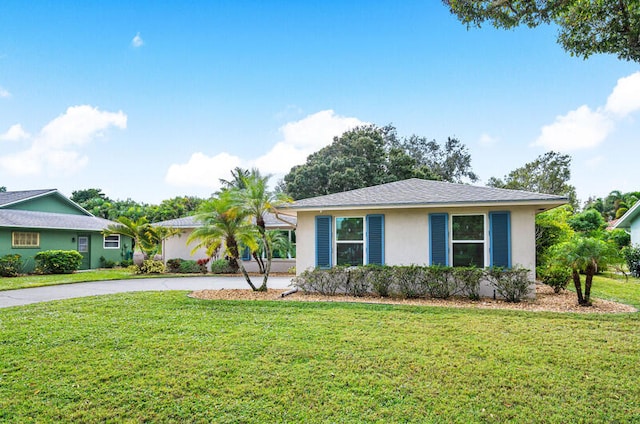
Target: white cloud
(303, 137)
(486, 140)
(579, 129)
(300, 139)
(594, 162)
(137, 41)
(14, 133)
(4, 94)
(625, 97)
(55, 149)
(202, 170)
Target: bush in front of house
(173, 265)
(511, 284)
(631, 255)
(57, 261)
(10, 265)
(188, 266)
(413, 281)
(106, 263)
(221, 266)
(149, 266)
(556, 276)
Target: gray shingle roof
(62, 221)
(190, 222)
(10, 197)
(417, 192)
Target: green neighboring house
(36, 220)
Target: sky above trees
(154, 100)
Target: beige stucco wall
(407, 236)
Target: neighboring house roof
(628, 217)
(31, 219)
(415, 192)
(270, 220)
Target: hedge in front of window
(58, 261)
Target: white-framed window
(349, 239)
(468, 240)
(112, 241)
(25, 239)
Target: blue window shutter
(246, 254)
(323, 241)
(375, 239)
(500, 239)
(438, 239)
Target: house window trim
(485, 232)
(14, 245)
(104, 241)
(336, 242)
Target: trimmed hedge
(415, 281)
(58, 261)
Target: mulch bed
(546, 300)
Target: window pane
(468, 254)
(349, 229)
(350, 253)
(470, 227)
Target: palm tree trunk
(246, 277)
(267, 250)
(232, 246)
(590, 271)
(578, 285)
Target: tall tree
(586, 27)
(549, 173)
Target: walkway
(68, 291)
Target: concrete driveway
(67, 291)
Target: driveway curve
(68, 291)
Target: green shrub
(189, 267)
(149, 266)
(125, 263)
(106, 263)
(324, 281)
(221, 266)
(173, 265)
(10, 265)
(411, 281)
(381, 280)
(511, 284)
(556, 276)
(631, 255)
(358, 284)
(468, 281)
(58, 261)
(440, 281)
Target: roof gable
(415, 192)
(48, 200)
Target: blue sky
(150, 100)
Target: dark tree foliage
(371, 155)
(585, 27)
(3, 189)
(614, 205)
(549, 174)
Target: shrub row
(415, 281)
(186, 266)
(10, 265)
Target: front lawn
(164, 357)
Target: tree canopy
(548, 173)
(586, 27)
(369, 155)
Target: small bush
(125, 263)
(468, 280)
(202, 263)
(106, 263)
(10, 265)
(411, 281)
(188, 266)
(511, 284)
(631, 255)
(556, 276)
(292, 270)
(221, 266)
(381, 280)
(58, 261)
(173, 265)
(149, 266)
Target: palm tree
(258, 200)
(144, 236)
(225, 223)
(584, 254)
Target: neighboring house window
(463, 240)
(356, 240)
(290, 236)
(350, 241)
(25, 239)
(112, 241)
(467, 240)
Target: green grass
(27, 281)
(619, 290)
(164, 357)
